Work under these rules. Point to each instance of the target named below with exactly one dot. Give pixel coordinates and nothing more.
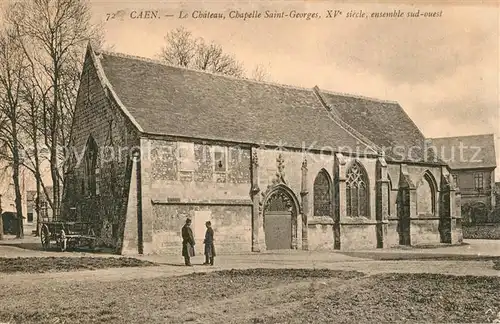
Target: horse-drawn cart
(67, 234)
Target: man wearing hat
(209, 244)
(187, 242)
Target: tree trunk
(1, 219)
(54, 141)
(19, 209)
(38, 183)
(17, 188)
(37, 206)
(55, 184)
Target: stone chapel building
(272, 166)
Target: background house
(472, 160)
(28, 191)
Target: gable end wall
(98, 114)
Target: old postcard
(249, 162)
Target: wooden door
(278, 216)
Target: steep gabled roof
(385, 123)
(467, 152)
(175, 101)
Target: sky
(444, 71)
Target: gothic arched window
(92, 167)
(389, 192)
(426, 195)
(357, 203)
(322, 195)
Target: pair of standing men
(188, 243)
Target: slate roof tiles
(467, 152)
(181, 102)
(168, 100)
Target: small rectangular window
(220, 159)
(186, 156)
(478, 181)
(455, 178)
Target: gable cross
(304, 163)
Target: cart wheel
(92, 241)
(63, 241)
(71, 246)
(45, 237)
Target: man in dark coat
(187, 242)
(209, 244)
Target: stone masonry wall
(232, 227)
(360, 232)
(423, 226)
(98, 115)
(286, 167)
(176, 186)
(173, 191)
(355, 233)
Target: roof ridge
(277, 84)
(159, 62)
(461, 136)
(96, 61)
(333, 115)
(344, 94)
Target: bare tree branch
(260, 73)
(182, 49)
(13, 69)
(53, 35)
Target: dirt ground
(58, 264)
(258, 296)
(441, 286)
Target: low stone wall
(358, 236)
(424, 231)
(482, 231)
(320, 234)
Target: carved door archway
(280, 220)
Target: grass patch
(258, 296)
(159, 300)
(408, 298)
(285, 273)
(55, 264)
(388, 256)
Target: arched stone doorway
(280, 219)
(478, 212)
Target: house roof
(478, 151)
(176, 101)
(385, 123)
